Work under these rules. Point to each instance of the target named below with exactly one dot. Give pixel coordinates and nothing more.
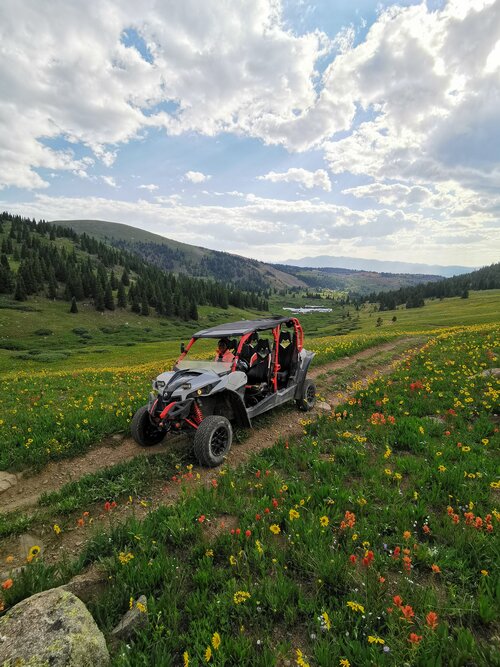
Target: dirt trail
(286, 422)
(119, 447)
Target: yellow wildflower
(216, 640)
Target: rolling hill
(248, 274)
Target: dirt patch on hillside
(285, 423)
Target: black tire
(143, 431)
(308, 399)
(212, 440)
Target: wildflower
(484, 573)
(368, 559)
(56, 529)
(209, 553)
(406, 535)
(436, 569)
(293, 514)
(275, 529)
(407, 612)
(241, 596)
(232, 560)
(216, 640)
(7, 584)
(432, 620)
(398, 600)
(248, 533)
(125, 558)
(355, 606)
(33, 553)
(353, 559)
(208, 654)
(185, 657)
(442, 468)
(9, 559)
(344, 662)
(414, 638)
(375, 640)
(141, 607)
(300, 658)
(326, 620)
(324, 521)
(201, 518)
(258, 546)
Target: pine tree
(74, 307)
(121, 297)
(125, 278)
(99, 298)
(20, 293)
(109, 302)
(144, 306)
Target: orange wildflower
(407, 612)
(7, 584)
(414, 638)
(436, 569)
(398, 600)
(432, 620)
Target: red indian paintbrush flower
(432, 620)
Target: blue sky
(273, 129)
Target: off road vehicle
(267, 367)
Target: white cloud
(308, 179)
(274, 229)
(109, 180)
(196, 177)
(150, 186)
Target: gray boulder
(135, 619)
(51, 629)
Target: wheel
(308, 399)
(143, 431)
(212, 440)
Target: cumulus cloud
(150, 186)
(307, 179)
(109, 180)
(196, 177)
(274, 229)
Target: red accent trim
(299, 333)
(242, 342)
(188, 421)
(197, 413)
(186, 350)
(166, 410)
(276, 366)
(153, 407)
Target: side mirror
(183, 348)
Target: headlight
(158, 384)
(202, 391)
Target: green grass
(380, 475)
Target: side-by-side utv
(265, 365)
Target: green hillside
(247, 273)
(184, 258)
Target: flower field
(47, 415)
(370, 540)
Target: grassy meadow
(371, 539)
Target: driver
(223, 350)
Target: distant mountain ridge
(377, 265)
(245, 273)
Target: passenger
(223, 351)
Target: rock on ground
(135, 619)
(53, 628)
(321, 405)
(7, 480)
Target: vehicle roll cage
(245, 337)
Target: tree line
(87, 269)
(485, 278)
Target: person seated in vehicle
(224, 352)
